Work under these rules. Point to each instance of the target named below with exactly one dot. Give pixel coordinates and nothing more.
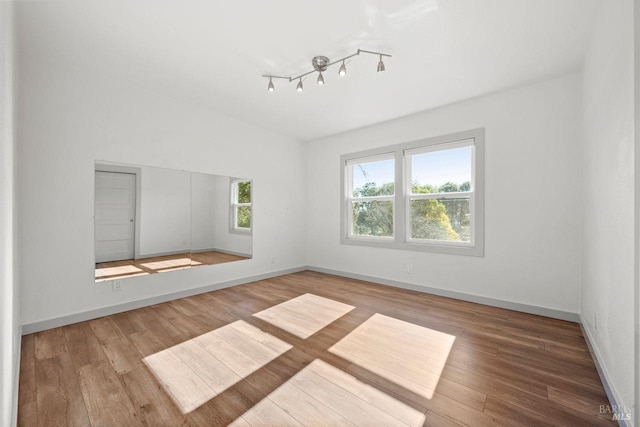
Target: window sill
(240, 231)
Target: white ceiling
(213, 52)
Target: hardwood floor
(311, 349)
(143, 266)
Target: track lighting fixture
(343, 70)
(320, 64)
(380, 64)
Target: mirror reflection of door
(153, 220)
(115, 207)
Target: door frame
(116, 168)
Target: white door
(115, 213)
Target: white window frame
(471, 195)
(351, 199)
(235, 205)
(401, 200)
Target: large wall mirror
(150, 220)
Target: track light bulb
(271, 87)
(343, 70)
(320, 79)
(380, 64)
(299, 87)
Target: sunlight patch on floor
(173, 263)
(403, 353)
(119, 271)
(305, 315)
(322, 394)
(197, 370)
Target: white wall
(608, 233)
(9, 290)
(532, 217)
(165, 211)
(69, 117)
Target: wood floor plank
(27, 405)
(267, 413)
(432, 419)
(59, 399)
(462, 414)
(50, 343)
(226, 352)
(188, 390)
(406, 414)
(182, 306)
(489, 381)
(265, 339)
(412, 378)
(555, 411)
(127, 323)
(404, 358)
(247, 345)
(210, 369)
(183, 323)
(151, 401)
(146, 343)
(345, 403)
(463, 394)
(27, 389)
(305, 409)
(28, 414)
(588, 403)
(118, 349)
(501, 410)
(161, 329)
(106, 401)
(241, 422)
(81, 336)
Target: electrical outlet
(273, 260)
(410, 268)
(116, 285)
(595, 320)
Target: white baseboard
(612, 394)
(525, 308)
(225, 251)
(42, 325)
(159, 254)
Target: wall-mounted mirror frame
(149, 220)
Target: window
(439, 192)
(371, 196)
(425, 195)
(241, 206)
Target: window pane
(243, 217)
(373, 178)
(373, 218)
(244, 192)
(444, 219)
(444, 171)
